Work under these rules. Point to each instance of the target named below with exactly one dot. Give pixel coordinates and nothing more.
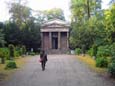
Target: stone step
(57, 51)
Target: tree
(110, 23)
(40, 17)
(11, 49)
(54, 13)
(20, 14)
(31, 36)
(22, 29)
(1, 25)
(13, 33)
(2, 40)
(86, 29)
(87, 8)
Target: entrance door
(55, 43)
(54, 40)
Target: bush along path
(61, 70)
(10, 58)
(12, 66)
(103, 57)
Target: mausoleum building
(55, 35)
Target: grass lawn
(20, 61)
(91, 63)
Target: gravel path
(61, 70)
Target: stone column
(42, 41)
(50, 40)
(59, 38)
(67, 40)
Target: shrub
(17, 51)
(101, 62)
(23, 50)
(2, 57)
(103, 51)
(77, 51)
(32, 53)
(83, 49)
(5, 52)
(111, 68)
(93, 50)
(11, 49)
(113, 51)
(90, 52)
(11, 65)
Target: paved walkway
(61, 70)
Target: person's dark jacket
(43, 57)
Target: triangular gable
(55, 23)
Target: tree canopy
(54, 13)
(23, 28)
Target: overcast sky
(43, 5)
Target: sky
(43, 5)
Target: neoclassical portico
(55, 34)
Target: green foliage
(6, 52)
(86, 7)
(77, 51)
(2, 57)
(11, 65)
(23, 29)
(12, 33)
(113, 51)
(11, 49)
(104, 51)
(32, 53)
(93, 50)
(97, 30)
(1, 53)
(55, 13)
(18, 18)
(2, 41)
(87, 31)
(90, 52)
(23, 50)
(111, 68)
(17, 52)
(101, 62)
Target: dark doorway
(54, 40)
(55, 43)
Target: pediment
(55, 23)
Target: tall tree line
(85, 22)
(23, 28)
(91, 25)
(93, 31)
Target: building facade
(55, 35)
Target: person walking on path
(43, 57)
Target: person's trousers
(43, 63)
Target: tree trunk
(2, 60)
(88, 9)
